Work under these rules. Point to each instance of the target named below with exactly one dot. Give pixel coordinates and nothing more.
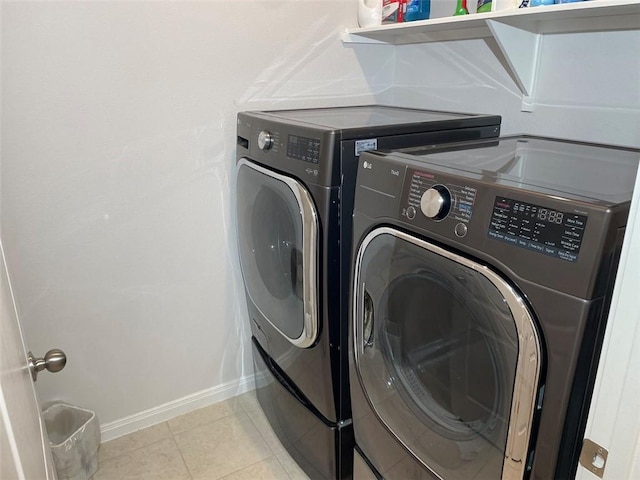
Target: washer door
(277, 238)
(447, 355)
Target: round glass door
(440, 359)
(277, 238)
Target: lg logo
(367, 165)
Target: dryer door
(447, 355)
(277, 241)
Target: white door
(614, 418)
(24, 446)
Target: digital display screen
(550, 216)
(303, 148)
(537, 228)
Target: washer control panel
(302, 151)
(303, 148)
(298, 147)
(431, 197)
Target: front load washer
(482, 280)
(294, 194)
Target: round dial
(265, 140)
(436, 202)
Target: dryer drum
(452, 373)
(276, 257)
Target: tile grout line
(283, 467)
(274, 455)
(231, 414)
(184, 462)
(173, 437)
(251, 465)
(200, 424)
(129, 451)
(266, 441)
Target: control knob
(436, 202)
(265, 140)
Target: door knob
(54, 361)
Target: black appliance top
(321, 146)
(602, 173)
(372, 117)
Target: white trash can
(74, 438)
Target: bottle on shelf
(369, 13)
(461, 8)
(484, 6)
(392, 11)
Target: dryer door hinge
(593, 457)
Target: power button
(460, 230)
(411, 212)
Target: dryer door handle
(368, 316)
(297, 273)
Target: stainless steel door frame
(309, 219)
(527, 372)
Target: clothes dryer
(294, 188)
(482, 281)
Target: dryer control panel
(435, 196)
(537, 228)
(430, 196)
(444, 203)
(438, 199)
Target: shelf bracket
(521, 50)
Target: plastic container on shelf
(537, 3)
(417, 10)
(391, 11)
(74, 438)
(369, 13)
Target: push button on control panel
(460, 230)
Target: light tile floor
(230, 440)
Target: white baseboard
(183, 405)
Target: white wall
(118, 146)
(118, 130)
(587, 88)
(459, 76)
